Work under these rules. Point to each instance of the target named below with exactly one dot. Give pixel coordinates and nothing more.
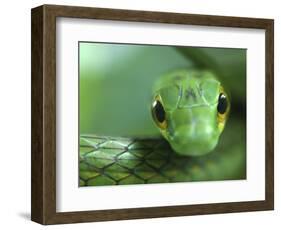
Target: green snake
(190, 109)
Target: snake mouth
(194, 140)
(190, 148)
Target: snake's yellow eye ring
(159, 114)
(223, 108)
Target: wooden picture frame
(43, 208)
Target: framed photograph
(139, 114)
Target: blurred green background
(116, 82)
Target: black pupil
(159, 112)
(222, 104)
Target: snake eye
(159, 114)
(222, 103)
(223, 108)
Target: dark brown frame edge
(43, 159)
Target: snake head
(190, 109)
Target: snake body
(190, 109)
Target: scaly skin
(109, 161)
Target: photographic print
(132, 107)
(161, 114)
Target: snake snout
(197, 139)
